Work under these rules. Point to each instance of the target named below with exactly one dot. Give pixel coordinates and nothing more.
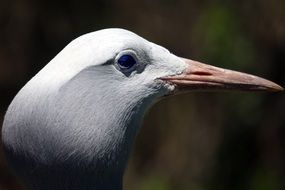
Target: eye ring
(126, 61)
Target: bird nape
(72, 126)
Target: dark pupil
(126, 61)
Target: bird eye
(126, 61)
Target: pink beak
(199, 76)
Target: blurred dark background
(198, 141)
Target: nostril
(202, 73)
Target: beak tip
(277, 88)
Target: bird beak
(199, 76)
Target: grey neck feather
(85, 148)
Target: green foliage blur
(197, 141)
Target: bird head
(80, 114)
(129, 63)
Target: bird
(73, 125)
